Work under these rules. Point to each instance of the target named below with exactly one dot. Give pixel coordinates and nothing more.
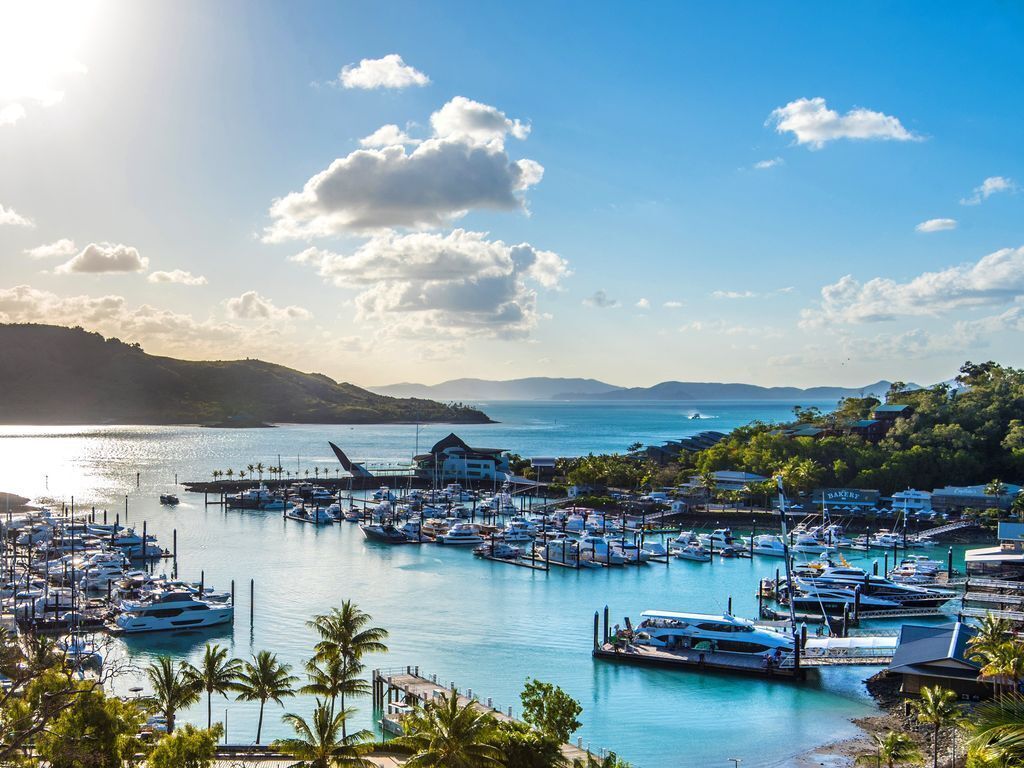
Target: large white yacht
(769, 545)
(173, 610)
(461, 534)
(599, 550)
(566, 552)
(704, 631)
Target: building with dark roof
(869, 429)
(451, 459)
(892, 411)
(937, 655)
(670, 451)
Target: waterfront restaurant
(846, 499)
(954, 498)
(452, 460)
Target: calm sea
(486, 626)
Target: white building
(451, 460)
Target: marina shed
(937, 655)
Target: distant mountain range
(542, 388)
(57, 375)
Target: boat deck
(692, 659)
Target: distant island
(543, 388)
(58, 375)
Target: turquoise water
(486, 626)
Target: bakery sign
(846, 496)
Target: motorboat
(172, 610)
(598, 549)
(694, 551)
(722, 541)
(633, 553)
(386, 533)
(566, 552)
(80, 652)
(814, 599)
(769, 545)
(169, 499)
(316, 516)
(460, 534)
(709, 632)
(411, 529)
(907, 595)
(575, 523)
(497, 549)
(252, 498)
(353, 514)
(884, 539)
(384, 494)
(811, 543)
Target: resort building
(451, 460)
(891, 412)
(958, 498)
(727, 480)
(937, 655)
(1005, 561)
(912, 500)
(670, 451)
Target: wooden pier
(405, 688)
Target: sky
(782, 194)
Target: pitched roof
(892, 408)
(862, 424)
(920, 646)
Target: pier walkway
(400, 688)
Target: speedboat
(633, 553)
(460, 534)
(317, 516)
(769, 545)
(497, 549)
(177, 609)
(169, 499)
(599, 550)
(566, 552)
(711, 632)
(693, 551)
(383, 532)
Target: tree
(444, 734)
(345, 636)
(997, 729)
(190, 747)
(319, 744)
(995, 487)
(550, 709)
(937, 707)
(95, 732)
(333, 678)
(172, 689)
(265, 679)
(893, 749)
(216, 674)
(525, 747)
(1004, 664)
(992, 632)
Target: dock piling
(605, 634)
(252, 602)
(597, 623)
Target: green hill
(57, 375)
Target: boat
(722, 541)
(168, 499)
(253, 498)
(599, 550)
(497, 549)
(178, 609)
(411, 529)
(907, 595)
(80, 652)
(812, 599)
(633, 553)
(769, 545)
(692, 551)
(460, 534)
(317, 516)
(566, 552)
(711, 632)
(383, 532)
(811, 543)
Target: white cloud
(464, 166)
(763, 165)
(997, 278)
(386, 136)
(457, 284)
(600, 300)
(672, 304)
(989, 187)
(936, 225)
(98, 258)
(386, 72)
(252, 306)
(11, 114)
(643, 304)
(733, 294)
(11, 218)
(813, 123)
(62, 248)
(180, 276)
(725, 329)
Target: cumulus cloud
(62, 248)
(97, 258)
(936, 225)
(727, 329)
(386, 136)
(997, 278)
(733, 294)
(387, 72)
(989, 187)
(252, 306)
(814, 124)
(457, 284)
(601, 300)
(764, 165)
(462, 167)
(643, 304)
(180, 276)
(11, 218)
(672, 304)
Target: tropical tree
(997, 729)
(332, 678)
(992, 632)
(1004, 664)
(259, 469)
(995, 487)
(229, 473)
(319, 743)
(894, 748)
(444, 734)
(172, 688)
(216, 673)
(251, 468)
(265, 679)
(190, 747)
(550, 709)
(346, 637)
(96, 731)
(241, 474)
(937, 707)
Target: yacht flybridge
(179, 609)
(712, 632)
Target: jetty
(398, 690)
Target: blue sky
(146, 144)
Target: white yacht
(317, 516)
(386, 533)
(713, 632)
(769, 545)
(721, 539)
(599, 550)
(174, 610)
(811, 543)
(566, 552)
(633, 553)
(693, 550)
(461, 534)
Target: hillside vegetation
(57, 375)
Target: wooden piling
(252, 602)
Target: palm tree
(443, 734)
(892, 749)
(345, 636)
(216, 674)
(995, 488)
(333, 677)
(997, 729)
(251, 468)
(319, 744)
(265, 679)
(241, 474)
(230, 473)
(937, 707)
(259, 468)
(992, 632)
(1004, 664)
(172, 688)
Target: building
(958, 498)
(543, 468)
(804, 430)
(846, 498)
(728, 480)
(451, 460)
(912, 501)
(872, 430)
(891, 411)
(937, 655)
(670, 451)
(1005, 561)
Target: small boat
(692, 551)
(497, 549)
(460, 534)
(385, 533)
(316, 516)
(769, 546)
(169, 499)
(565, 552)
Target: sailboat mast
(785, 552)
